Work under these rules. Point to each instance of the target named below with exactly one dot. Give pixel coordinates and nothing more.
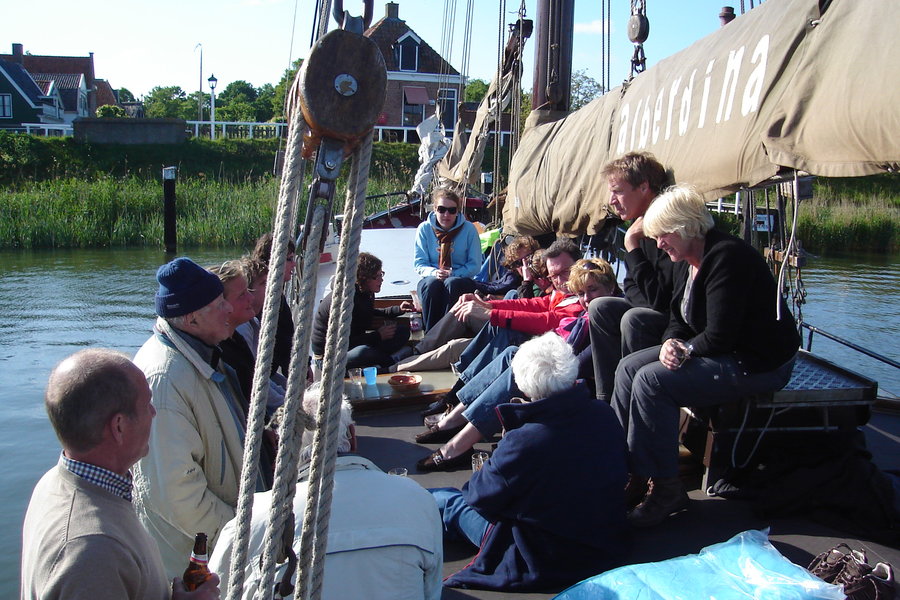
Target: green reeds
(72, 213)
(852, 215)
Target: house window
(447, 101)
(407, 51)
(5, 106)
(414, 101)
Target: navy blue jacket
(553, 494)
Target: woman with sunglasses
(448, 255)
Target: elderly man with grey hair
(384, 533)
(546, 510)
(189, 481)
(81, 537)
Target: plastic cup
(398, 471)
(478, 459)
(370, 373)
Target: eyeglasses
(446, 209)
(590, 266)
(378, 275)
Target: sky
(142, 45)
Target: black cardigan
(364, 312)
(649, 281)
(733, 308)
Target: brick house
(74, 76)
(418, 78)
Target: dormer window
(406, 52)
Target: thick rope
(255, 420)
(321, 481)
(295, 420)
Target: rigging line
(448, 24)
(288, 70)
(497, 99)
(603, 45)
(466, 52)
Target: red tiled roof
(105, 94)
(388, 30)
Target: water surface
(53, 303)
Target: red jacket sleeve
(534, 322)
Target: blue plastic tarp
(746, 566)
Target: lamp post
(212, 105)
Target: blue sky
(141, 45)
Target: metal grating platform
(818, 382)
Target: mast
(553, 55)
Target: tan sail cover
(785, 85)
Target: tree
(169, 102)
(476, 90)
(124, 95)
(236, 110)
(584, 89)
(281, 90)
(111, 111)
(262, 106)
(235, 91)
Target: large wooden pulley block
(342, 86)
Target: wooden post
(169, 233)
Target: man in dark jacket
(620, 326)
(546, 512)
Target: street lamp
(212, 105)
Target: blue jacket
(553, 494)
(466, 253)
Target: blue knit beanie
(184, 286)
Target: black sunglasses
(446, 209)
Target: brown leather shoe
(436, 462)
(437, 436)
(665, 498)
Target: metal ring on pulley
(337, 10)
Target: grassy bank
(61, 193)
(71, 213)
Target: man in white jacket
(384, 534)
(188, 483)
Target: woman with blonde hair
(726, 339)
(475, 417)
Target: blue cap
(184, 286)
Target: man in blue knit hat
(189, 480)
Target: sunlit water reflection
(53, 303)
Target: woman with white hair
(544, 512)
(475, 417)
(725, 340)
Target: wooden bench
(820, 397)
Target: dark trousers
(648, 398)
(618, 329)
(437, 296)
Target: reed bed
(843, 215)
(72, 213)
(852, 215)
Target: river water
(53, 303)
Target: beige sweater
(81, 541)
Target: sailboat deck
(386, 437)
